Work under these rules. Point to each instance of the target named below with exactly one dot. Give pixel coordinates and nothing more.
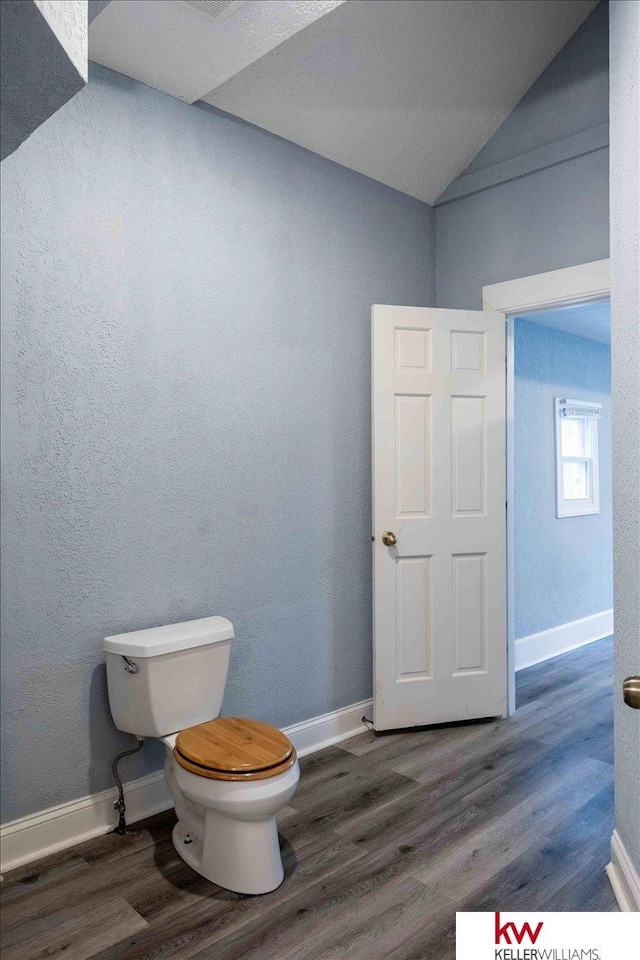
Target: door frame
(578, 284)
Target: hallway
(388, 836)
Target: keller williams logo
(507, 930)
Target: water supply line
(119, 805)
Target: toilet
(228, 776)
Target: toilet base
(239, 855)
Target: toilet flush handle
(130, 665)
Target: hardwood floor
(385, 839)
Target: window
(577, 488)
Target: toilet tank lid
(169, 639)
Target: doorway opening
(581, 284)
(559, 494)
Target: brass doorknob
(631, 692)
(389, 539)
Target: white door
(440, 638)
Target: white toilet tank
(167, 678)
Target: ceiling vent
(212, 8)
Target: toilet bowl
(227, 831)
(228, 776)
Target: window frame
(588, 411)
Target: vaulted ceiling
(404, 91)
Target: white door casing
(542, 291)
(438, 407)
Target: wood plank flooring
(385, 839)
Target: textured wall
(43, 62)
(552, 218)
(570, 96)
(562, 566)
(187, 421)
(69, 20)
(625, 352)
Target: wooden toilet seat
(234, 748)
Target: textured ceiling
(404, 91)
(590, 320)
(186, 49)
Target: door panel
(439, 486)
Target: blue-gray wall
(186, 409)
(41, 68)
(563, 567)
(515, 222)
(186, 400)
(625, 358)
(570, 96)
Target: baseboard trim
(49, 831)
(623, 876)
(66, 824)
(320, 732)
(538, 647)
